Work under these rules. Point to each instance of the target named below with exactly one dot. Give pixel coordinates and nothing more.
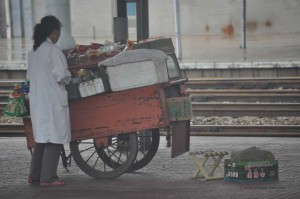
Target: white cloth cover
(138, 55)
(136, 68)
(135, 75)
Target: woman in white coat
(48, 73)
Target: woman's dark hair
(44, 29)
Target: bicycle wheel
(89, 157)
(148, 142)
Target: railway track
(245, 109)
(259, 97)
(237, 97)
(244, 83)
(276, 96)
(246, 130)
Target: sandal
(32, 181)
(52, 184)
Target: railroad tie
(201, 157)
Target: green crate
(245, 171)
(179, 108)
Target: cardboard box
(245, 171)
(91, 87)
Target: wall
(223, 17)
(161, 18)
(97, 13)
(198, 17)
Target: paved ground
(165, 177)
(162, 178)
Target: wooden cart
(117, 132)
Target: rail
(234, 97)
(244, 83)
(245, 109)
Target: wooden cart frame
(116, 132)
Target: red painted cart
(117, 132)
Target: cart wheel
(148, 142)
(89, 158)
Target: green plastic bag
(16, 105)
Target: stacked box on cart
(163, 44)
(244, 171)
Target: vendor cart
(118, 132)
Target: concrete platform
(162, 178)
(196, 51)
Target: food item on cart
(82, 49)
(82, 73)
(93, 54)
(85, 74)
(129, 45)
(106, 48)
(110, 47)
(95, 46)
(103, 55)
(73, 57)
(118, 47)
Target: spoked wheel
(122, 150)
(148, 142)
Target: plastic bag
(16, 104)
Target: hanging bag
(16, 103)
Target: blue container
(25, 87)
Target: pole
(177, 29)
(8, 21)
(120, 22)
(142, 19)
(243, 41)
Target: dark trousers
(44, 162)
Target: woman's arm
(60, 66)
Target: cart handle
(179, 81)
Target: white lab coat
(48, 73)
